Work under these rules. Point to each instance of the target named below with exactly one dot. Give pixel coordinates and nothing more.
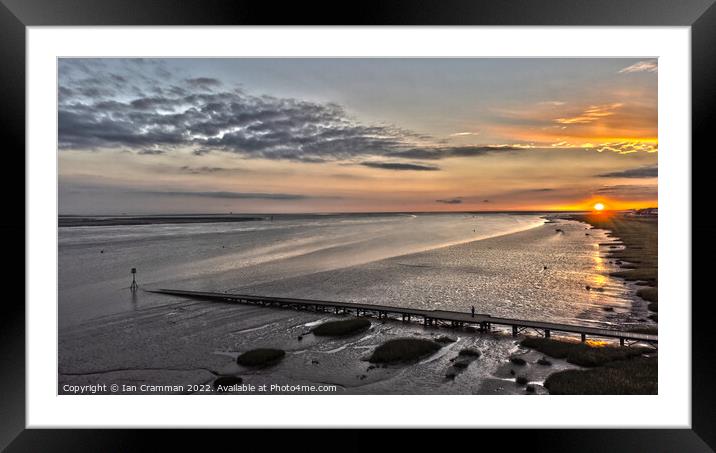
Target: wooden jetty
(483, 322)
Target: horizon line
(532, 211)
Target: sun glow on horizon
(599, 206)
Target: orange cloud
(628, 147)
(591, 114)
(622, 127)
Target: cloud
(462, 134)
(627, 147)
(347, 176)
(230, 195)
(143, 104)
(206, 170)
(153, 103)
(632, 116)
(150, 152)
(204, 82)
(400, 166)
(629, 192)
(450, 201)
(591, 114)
(641, 66)
(102, 78)
(435, 153)
(640, 172)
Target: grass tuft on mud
(637, 376)
(403, 350)
(227, 381)
(581, 354)
(260, 357)
(341, 328)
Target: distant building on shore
(646, 212)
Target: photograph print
(338, 226)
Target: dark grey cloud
(640, 172)
(626, 191)
(137, 103)
(204, 82)
(79, 130)
(207, 170)
(230, 195)
(450, 201)
(150, 152)
(435, 153)
(102, 78)
(71, 185)
(154, 103)
(522, 192)
(347, 176)
(541, 193)
(65, 92)
(400, 166)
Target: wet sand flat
(187, 343)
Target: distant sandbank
(80, 221)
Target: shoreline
(638, 259)
(637, 374)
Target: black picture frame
(16, 15)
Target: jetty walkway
(483, 322)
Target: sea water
(505, 264)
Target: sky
(284, 135)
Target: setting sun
(599, 207)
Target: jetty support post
(514, 331)
(584, 338)
(621, 341)
(546, 333)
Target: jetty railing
(483, 322)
